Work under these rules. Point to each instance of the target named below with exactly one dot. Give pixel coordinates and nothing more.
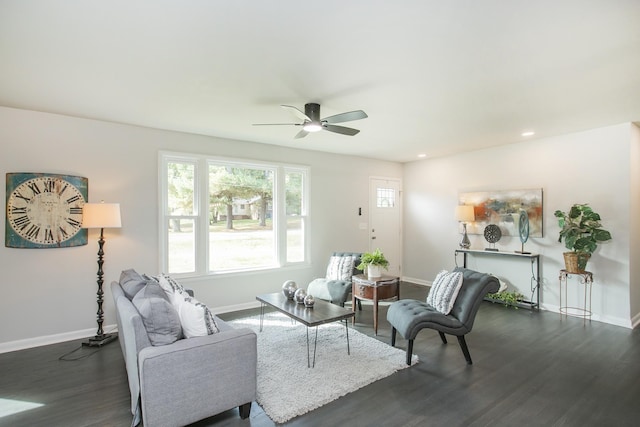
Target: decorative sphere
(309, 301)
(289, 289)
(300, 295)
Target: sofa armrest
(217, 372)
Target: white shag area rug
(287, 388)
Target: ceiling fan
(311, 121)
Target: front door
(385, 226)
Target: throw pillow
(131, 282)
(195, 317)
(444, 291)
(340, 267)
(160, 318)
(169, 284)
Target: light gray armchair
(190, 379)
(336, 286)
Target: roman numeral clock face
(45, 210)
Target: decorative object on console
(309, 301)
(101, 215)
(523, 230)
(289, 289)
(300, 295)
(492, 234)
(374, 262)
(45, 210)
(581, 230)
(465, 214)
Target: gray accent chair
(189, 380)
(335, 291)
(408, 317)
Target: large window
(224, 216)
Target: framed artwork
(503, 209)
(45, 210)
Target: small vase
(374, 271)
(300, 295)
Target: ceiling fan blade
(346, 117)
(299, 114)
(340, 129)
(275, 124)
(301, 134)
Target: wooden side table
(586, 279)
(374, 289)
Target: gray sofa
(190, 379)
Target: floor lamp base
(100, 340)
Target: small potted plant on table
(581, 230)
(373, 262)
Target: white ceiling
(435, 77)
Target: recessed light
(422, 155)
(528, 133)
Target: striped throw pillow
(444, 291)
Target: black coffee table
(322, 312)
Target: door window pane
(386, 198)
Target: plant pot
(575, 262)
(374, 271)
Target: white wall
(587, 167)
(634, 225)
(50, 294)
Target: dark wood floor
(530, 369)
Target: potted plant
(374, 262)
(581, 230)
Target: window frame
(201, 211)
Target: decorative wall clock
(45, 210)
(492, 234)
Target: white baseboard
(236, 307)
(51, 339)
(416, 281)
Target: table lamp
(465, 214)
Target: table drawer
(367, 291)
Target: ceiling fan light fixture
(312, 127)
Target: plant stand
(586, 279)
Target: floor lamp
(100, 215)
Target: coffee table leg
(347, 328)
(261, 315)
(315, 347)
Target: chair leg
(245, 410)
(409, 351)
(465, 349)
(393, 336)
(442, 337)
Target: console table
(534, 259)
(586, 279)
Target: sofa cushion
(131, 282)
(340, 268)
(160, 318)
(444, 291)
(196, 318)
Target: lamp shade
(101, 215)
(464, 213)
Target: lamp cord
(65, 357)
